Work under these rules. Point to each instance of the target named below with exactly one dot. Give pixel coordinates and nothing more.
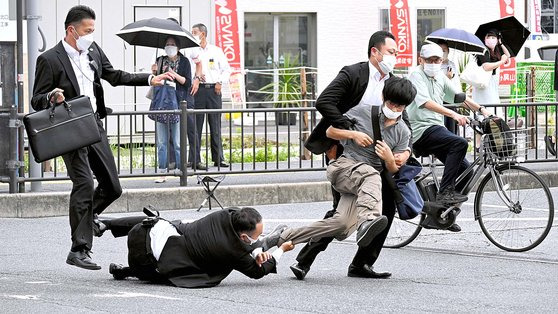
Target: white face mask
(84, 42)
(387, 64)
(252, 241)
(197, 38)
(171, 51)
(491, 42)
(390, 114)
(431, 69)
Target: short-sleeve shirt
(428, 89)
(396, 136)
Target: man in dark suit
(355, 84)
(74, 67)
(199, 254)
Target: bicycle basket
(508, 145)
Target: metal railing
(253, 141)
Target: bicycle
(501, 203)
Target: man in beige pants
(355, 173)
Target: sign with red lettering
(401, 29)
(507, 71)
(226, 31)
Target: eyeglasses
(433, 61)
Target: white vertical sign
(8, 28)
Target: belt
(207, 85)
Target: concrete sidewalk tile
(303, 192)
(9, 205)
(44, 204)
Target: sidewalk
(235, 190)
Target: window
(548, 12)
(269, 39)
(428, 20)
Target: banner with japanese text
(507, 71)
(226, 37)
(401, 29)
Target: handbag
(164, 98)
(62, 128)
(475, 75)
(407, 197)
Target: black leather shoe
(98, 226)
(81, 259)
(366, 271)
(454, 228)
(272, 238)
(450, 197)
(116, 270)
(221, 164)
(200, 166)
(368, 230)
(299, 271)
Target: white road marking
(38, 282)
(21, 297)
(134, 295)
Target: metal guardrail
(253, 141)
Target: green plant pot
(285, 118)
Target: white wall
(344, 27)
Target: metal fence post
(183, 143)
(13, 163)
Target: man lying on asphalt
(199, 254)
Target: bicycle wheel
(524, 223)
(403, 232)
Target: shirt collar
(71, 51)
(375, 74)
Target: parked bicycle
(512, 204)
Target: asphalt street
(439, 272)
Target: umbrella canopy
(514, 34)
(457, 39)
(154, 32)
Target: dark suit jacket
(208, 251)
(342, 94)
(54, 69)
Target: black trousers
(85, 199)
(206, 98)
(449, 148)
(364, 255)
(193, 139)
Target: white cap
(431, 50)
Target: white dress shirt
(215, 66)
(83, 71)
(373, 93)
(159, 234)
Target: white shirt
(215, 66)
(83, 71)
(373, 93)
(159, 234)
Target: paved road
(439, 272)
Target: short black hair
(245, 219)
(378, 39)
(399, 91)
(78, 13)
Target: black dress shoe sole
(79, 264)
(113, 270)
(298, 272)
(376, 276)
(373, 230)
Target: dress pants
(206, 98)
(193, 140)
(85, 199)
(449, 148)
(364, 255)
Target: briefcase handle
(66, 105)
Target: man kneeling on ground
(198, 254)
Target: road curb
(47, 204)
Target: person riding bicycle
(426, 114)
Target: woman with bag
(176, 65)
(496, 56)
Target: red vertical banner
(401, 29)
(507, 71)
(226, 37)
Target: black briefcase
(62, 128)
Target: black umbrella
(154, 32)
(514, 34)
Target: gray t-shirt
(396, 136)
